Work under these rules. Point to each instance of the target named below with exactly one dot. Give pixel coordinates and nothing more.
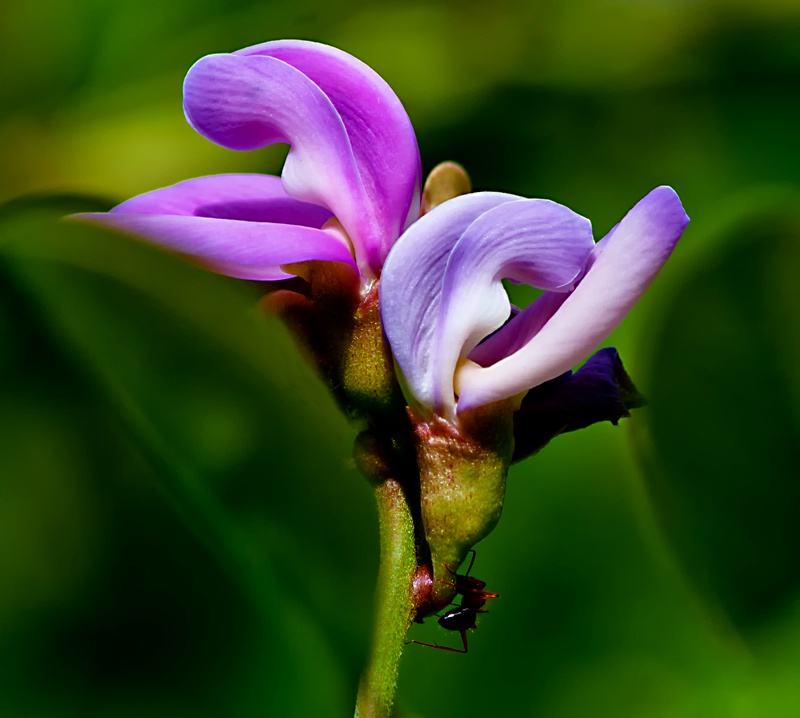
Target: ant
(462, 617)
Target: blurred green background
(181, 530)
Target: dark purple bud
(600, 390)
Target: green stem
(395, 605)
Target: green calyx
(337, 322)
(463, 473)
(366, 367)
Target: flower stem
(395, 605)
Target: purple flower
(449, 321)
(353, 157)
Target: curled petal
(524, 325)
(353, 150)
(381, 135)
(534, 241)
(441, 291)
(246, 250)
(519, 329)
(411, 284)
(248, 102)
(624, 266)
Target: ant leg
(443, 648)
(455, 570)
(464, 641)
(471, 561)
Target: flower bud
(446, 180)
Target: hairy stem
(395, 606)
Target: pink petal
(246, 250)
(247, 197)
(381, 135)
(352, 148)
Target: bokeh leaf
(724, 415)
(220, 415)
